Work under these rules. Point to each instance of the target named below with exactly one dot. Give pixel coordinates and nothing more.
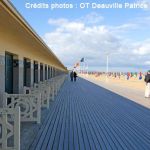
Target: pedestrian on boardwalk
(147, 88)
(71, 76)
(75, 76)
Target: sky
(93, 33)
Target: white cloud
(147, 63)
(92, 18)
(72, 40)
(143, 48)
(125, 27)
(77, 40)
(66, 24)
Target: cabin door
(9, 73)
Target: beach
(133, 82)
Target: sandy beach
(133, 82)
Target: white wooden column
(2, 76)
(32, 73)
(43, 72)
(21, 73)
(38, 71)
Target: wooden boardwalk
(85, 116)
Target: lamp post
(107, 65)
(87, 67)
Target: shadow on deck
(86, 116)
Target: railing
(10, 130)
(25, 107)
(30, 105)
(51, 88)
(48, 89)
(43, 91)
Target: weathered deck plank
(86, 116)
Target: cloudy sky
(92, 33)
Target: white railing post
(29, 104)
(39, 110)
(13, 126)
(17, 129)
(4, 130)
(4, 100)
(52, 90)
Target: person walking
(71, 76)
(75, 76)
(147, 88)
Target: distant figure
(71, 76)
(75, 76)
(140, 76)
(128, 75)
(119, 74)
(147, 80)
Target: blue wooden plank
(107, 130)
(111, 128)
(43, 130)
(86, 116)
(62, 134)
(122, 143)
(51, 132)
(126, 127)
(47, 131)
(83, 137)
(98, 132)
(71, 127)
(78, 139)
(66, 137)
(88, 121)
(59, 128)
